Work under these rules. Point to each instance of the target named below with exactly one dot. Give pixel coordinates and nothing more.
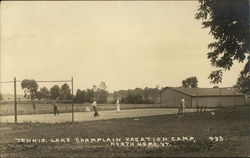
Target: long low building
(210, 97)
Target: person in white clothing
(94, 104)
(118, 105)
(182, 107)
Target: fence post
(191, 101)
(234, 97)
(197, 98)
(220, 98)
(15, 103)
(72, 100)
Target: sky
(126, 44)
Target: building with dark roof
(210, 97)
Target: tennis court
(88, 116)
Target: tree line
(31, 91)
(133, 96)
(137, 95)
(100, 93)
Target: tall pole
(72, 101)
(220, 98)
(197, 98)
(234, 98)
(191, 101)
(15, 103)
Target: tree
(133, 98)
(130, 99)
(80, 96)
(65, 93)
(155, 92)
(190, 82)
(30, 88)
(39, 95)
(55, 92)
(101, 93)
(89, 95)
(45, 94)
(146, 93)
(102, 96)
(243, 82)
(228, 21)
(138, 98)
(145, 96)
(149, 95)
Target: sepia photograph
(167, 78)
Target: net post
(72, 99)
(15, 102)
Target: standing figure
(118, 105)
(94, 104)
(34, 106)
(198, 108)
(182, 107)
(56, 112)
(205, 108)
(201, 109)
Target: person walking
(94, 104)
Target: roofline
(173, 88)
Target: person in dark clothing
(201, 109)
(56, 112)
(198, 108)
(205, 108)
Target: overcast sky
(126, 44)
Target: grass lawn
(231, 125)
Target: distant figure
(205, 108)
(56, 112)
(94, 104)
(198, 108)
(118, 105)
(201, 109)
(182, 107)
(34, 105)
